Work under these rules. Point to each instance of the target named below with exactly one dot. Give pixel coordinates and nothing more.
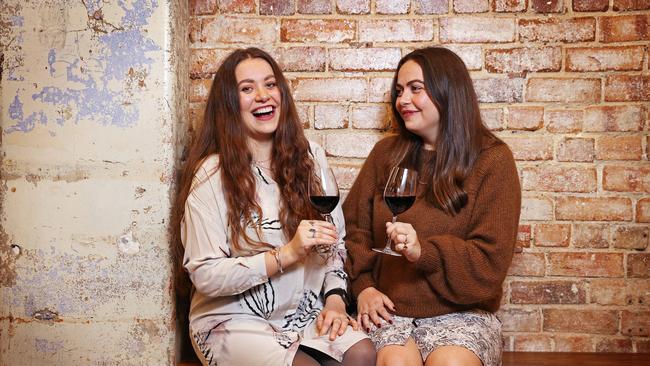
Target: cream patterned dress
(238, 315)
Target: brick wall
(565, 84)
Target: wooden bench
(557, 359)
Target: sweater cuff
(361, 283)
(429, 261)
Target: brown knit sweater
(464, 257)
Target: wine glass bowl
(399, 195)
(324, 196)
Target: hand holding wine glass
(399, 195)
(324, 196)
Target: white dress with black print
(238, 315)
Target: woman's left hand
(334, 319)
(406, 240)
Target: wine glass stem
(388, 239)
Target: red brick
(576, 149)
(525, 118)
(563, 90)
(573, 343)
(625, 28)
(590, 236)
(370, 117)
(631, 237)
(392, 6)
(301, 58)
(532, 343)
(623, 5)
(586, 264)
(350, 146)
(563, 120)
(626, 178)
(523, 59)
(614, 345)
(195, 116)
(509, 6)
(476, 30)
(626, 88)
(314, 6)
(330, 116)
(536, 208)
(547, 292)
(499, 90)
(520, 320)
(330, 89)
(580, 321)
(608, 291)
(203, 7)
(547, 6)
(531, 148)
(625, 147)
(353, 6)
(205, 62)
(635, 323)
(304, 114)
(552, 235)
(199, 89)
(528, 264)
(557, 30)
(345, 174)
(396, 30)
(472, 55)
(380, 90)
(471, 6)
(430, 6)
(237, 6)
(643, 345)
(317, 30)
(643, 210)
(523, 238)
(614, 118)
(590, 5)
(604, 58)
(638, 265)
(231, 29)
(277, 7)
(364, 59)
(492, 118)
(593, 208)
(194, 30)
(559, 178)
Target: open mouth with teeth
(264, 113)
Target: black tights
(361, 353)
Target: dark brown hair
(223, 132)
(462, 132)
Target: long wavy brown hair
(462, 132)
(224, 133)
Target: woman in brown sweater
(435, 304)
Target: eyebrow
(253, 81)
(411, 82)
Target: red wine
(399, 204)
(324, 204)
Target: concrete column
(93, 106)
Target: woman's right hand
(372, 307)
(311, 233)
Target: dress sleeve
(472, 269)
(358, 209)
(212, 269)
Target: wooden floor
(560, 359)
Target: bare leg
(452, 356)
(406, 355)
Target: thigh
(476, 331)
(394, 355)
(452, 355)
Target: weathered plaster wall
(90, 99)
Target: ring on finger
(313, 232)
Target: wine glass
(399, 196)
(324, 196)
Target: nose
(262, 95)
(404, 99)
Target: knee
(452, 356)
(361, 353)
(392, 359)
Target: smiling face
(259, 98)
(414, 105)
